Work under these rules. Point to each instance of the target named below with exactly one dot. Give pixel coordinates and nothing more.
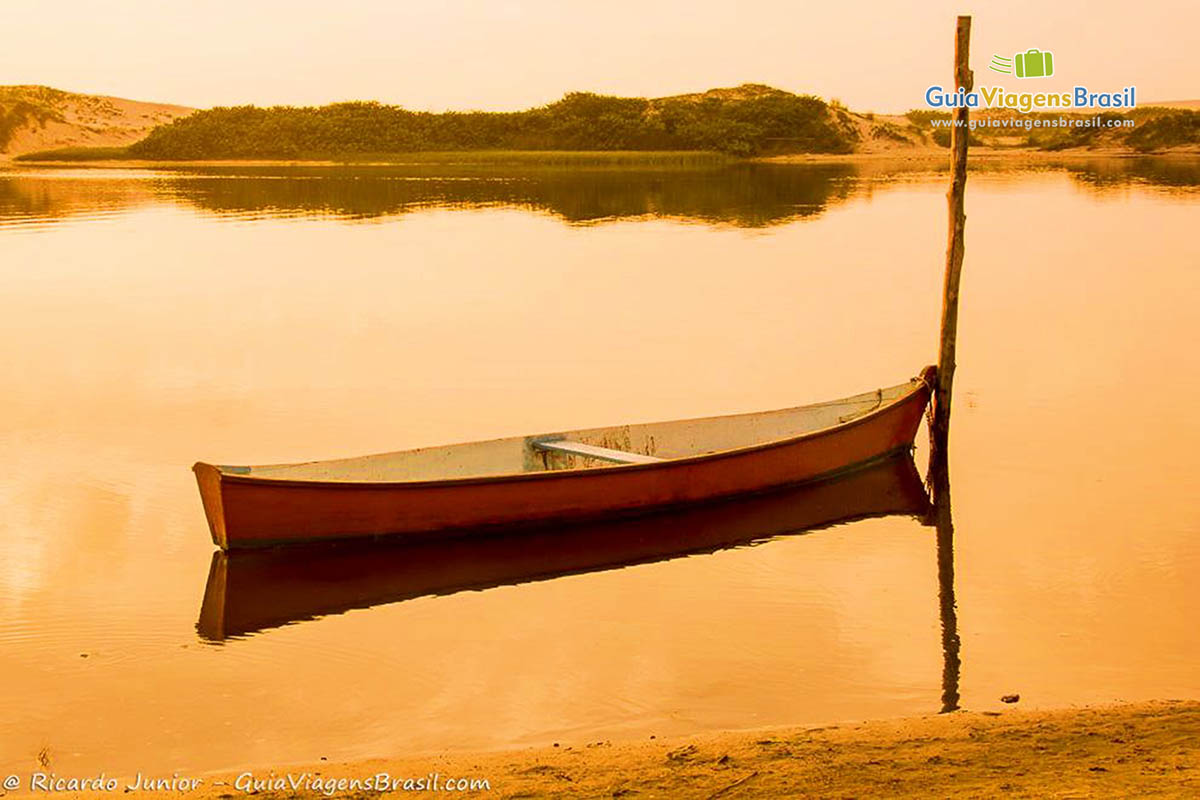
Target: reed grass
(552, 158)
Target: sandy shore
(1143, 750)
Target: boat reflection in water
(254, 590)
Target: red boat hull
(246, 511)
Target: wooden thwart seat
(592, 451)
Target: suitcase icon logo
(1033, 63)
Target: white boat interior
(588, 448)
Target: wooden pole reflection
(942, 520)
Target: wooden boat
(557, 477)
(254, 590)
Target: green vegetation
(1065, 138)
(1171, 128)
(922, 118)
(921, 121)
(1154, 128)
(76, 154)
(888, 130)
(17, 111)
(641, 159)
(568, 158)
(581, 130)
(747, 121)
(941, 137)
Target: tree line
(749, 121)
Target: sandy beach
(1129, 750)
(1150, 750)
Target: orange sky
(513, 54)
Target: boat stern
(208, 478)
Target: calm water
(241, 316)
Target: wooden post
(939, 428)
(960, 134)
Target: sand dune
(40, 118)
(34, 118)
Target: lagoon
(248, 315)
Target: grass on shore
(77, 154)
(583, 158)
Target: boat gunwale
(922, 382)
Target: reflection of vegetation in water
(32, 199)
(741, 194)
(747, 195)
(1106, 174)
